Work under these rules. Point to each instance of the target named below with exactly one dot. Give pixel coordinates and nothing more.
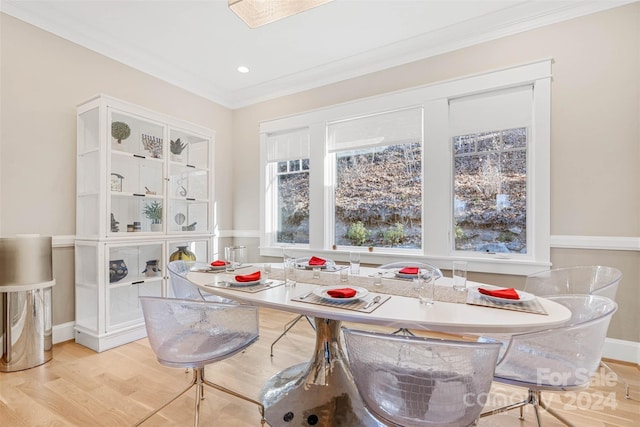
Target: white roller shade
(288, 145)
(497, 110)
(389, 128)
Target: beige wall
(43, 78)
(595, 135)
(594, 155)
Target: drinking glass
(235, 256)
(289, 272)
(354, 262)
(230, 258)
(377, 279)
(344, 275)
(459, 276)
(266, 270)
(426, 286)
(316, 272)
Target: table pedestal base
(319, 393)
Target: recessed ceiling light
(243, 69)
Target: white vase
(156, 227)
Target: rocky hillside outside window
(378, 179)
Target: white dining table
(321, 392)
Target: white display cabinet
(144, 187)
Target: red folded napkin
(248, 277)
(409, 270)
(317, 261)
(508, 293)
(341, 293)
(218, 263)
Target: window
(490, 132)
(378, 179)
(288, 165)
(458, 169)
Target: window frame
(438, 245)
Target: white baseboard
(626, 351)
(63, 332)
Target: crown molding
(519, 18)
(503, 23)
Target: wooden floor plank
(117, 387)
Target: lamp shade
(260, 12)
(25, 260)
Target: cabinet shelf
(140, 195)
(133, 281)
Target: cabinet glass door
(136, 176)
(133, 271)
(135, 135)
(189, 183)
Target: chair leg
(506, 408)
(199, 381)
(191, 384)
(288, 326)
(199, 396)
(534, 398)
(238, 395)
(622, 380)
(404, 331)
(553, 412)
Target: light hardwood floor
(117, 387)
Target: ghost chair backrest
(416, 381)
(590, 280)
(182, 286)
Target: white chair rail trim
(613, 243)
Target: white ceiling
(198, 45)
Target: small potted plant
(177, 147)
(153, 211)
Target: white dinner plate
(322, 293)
(524, 296)
(306, 265)
(217, 267)
(239, 284)
(405, 275)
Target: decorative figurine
(114, 224)
(190, 227)
(152, 268)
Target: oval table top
(397, 311)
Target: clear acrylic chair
(590, 280)
(183, 288)
(192, 334)
(559, 359)
(432, 269)
(416, 381)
